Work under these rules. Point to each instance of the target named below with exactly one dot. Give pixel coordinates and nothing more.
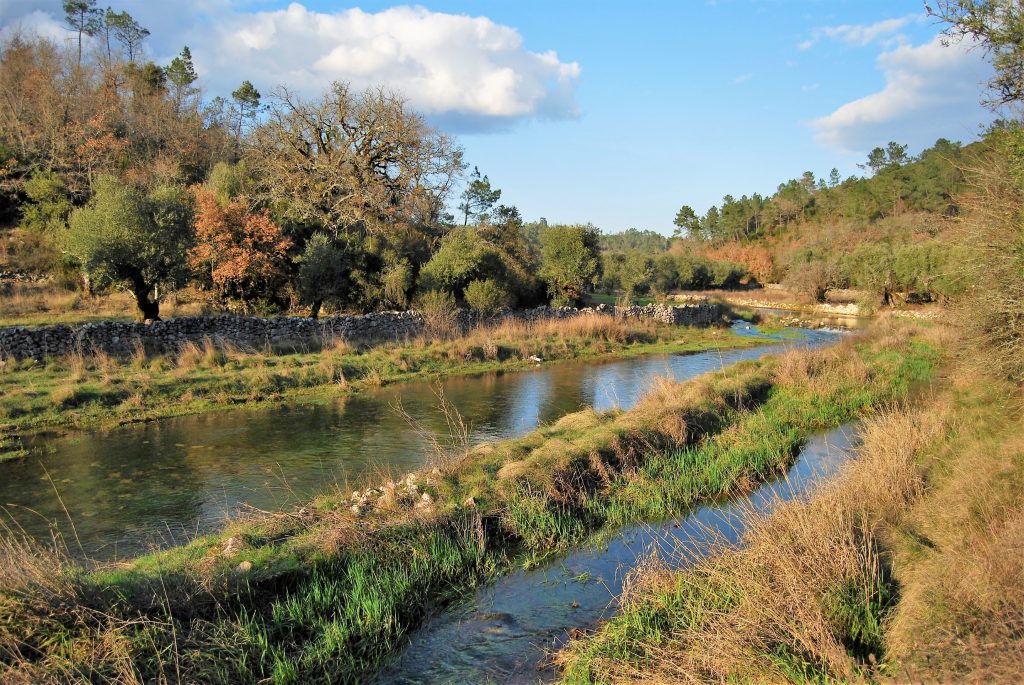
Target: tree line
(885, 231)
(119, 170)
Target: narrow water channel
(151, 485)
(506, 632)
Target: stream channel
(145, 486)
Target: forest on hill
(886, 232)
(117, 173)
(120, 173)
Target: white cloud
(466, 73)
(930, 91)
(856, 34)
(451, 66)
(742, 78)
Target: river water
(506, 632)
(145, 486)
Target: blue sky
(643, 106)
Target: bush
(486, 298)
(437, 307)
(727, 274)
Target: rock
(232, 545)
(161, 337)
(244, 567)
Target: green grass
(76, 392)
(327, 595)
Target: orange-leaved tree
(244, 253)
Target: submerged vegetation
(326, 592)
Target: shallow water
(142, 486)
(506, 632)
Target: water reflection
(160, 483)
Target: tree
(350, 163)
(247, 99)
(125, 235)
(636, 273)
(464, 256)
(182, 74)
(242, 252)
(687, 221)
(49, 206)
(896, 154)
(128, 31)
(83, 18)
(487, 297)
(478, 198)
(570, 262)
(876, 160)
(999, 26)
(325, 270)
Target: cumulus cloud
(466, 73)
(930, 91)
(856, 34)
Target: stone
(245, 567)
(161, 337)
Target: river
(115, 493)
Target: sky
(596, 111)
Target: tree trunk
(314, 309)
(150, 309)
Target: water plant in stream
(326, 592)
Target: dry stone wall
(159, 337)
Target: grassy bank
(97, 390)
(325, 592)
(909, 566)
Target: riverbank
(908, 566)
(97, 391)
(326, 592)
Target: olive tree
(570, 262)
(127, 236)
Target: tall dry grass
(804, 595)
(960, 554)
(992, 235)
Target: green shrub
(486, 297)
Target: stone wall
(160, 337)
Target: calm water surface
(505, 634)
(151, 485)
